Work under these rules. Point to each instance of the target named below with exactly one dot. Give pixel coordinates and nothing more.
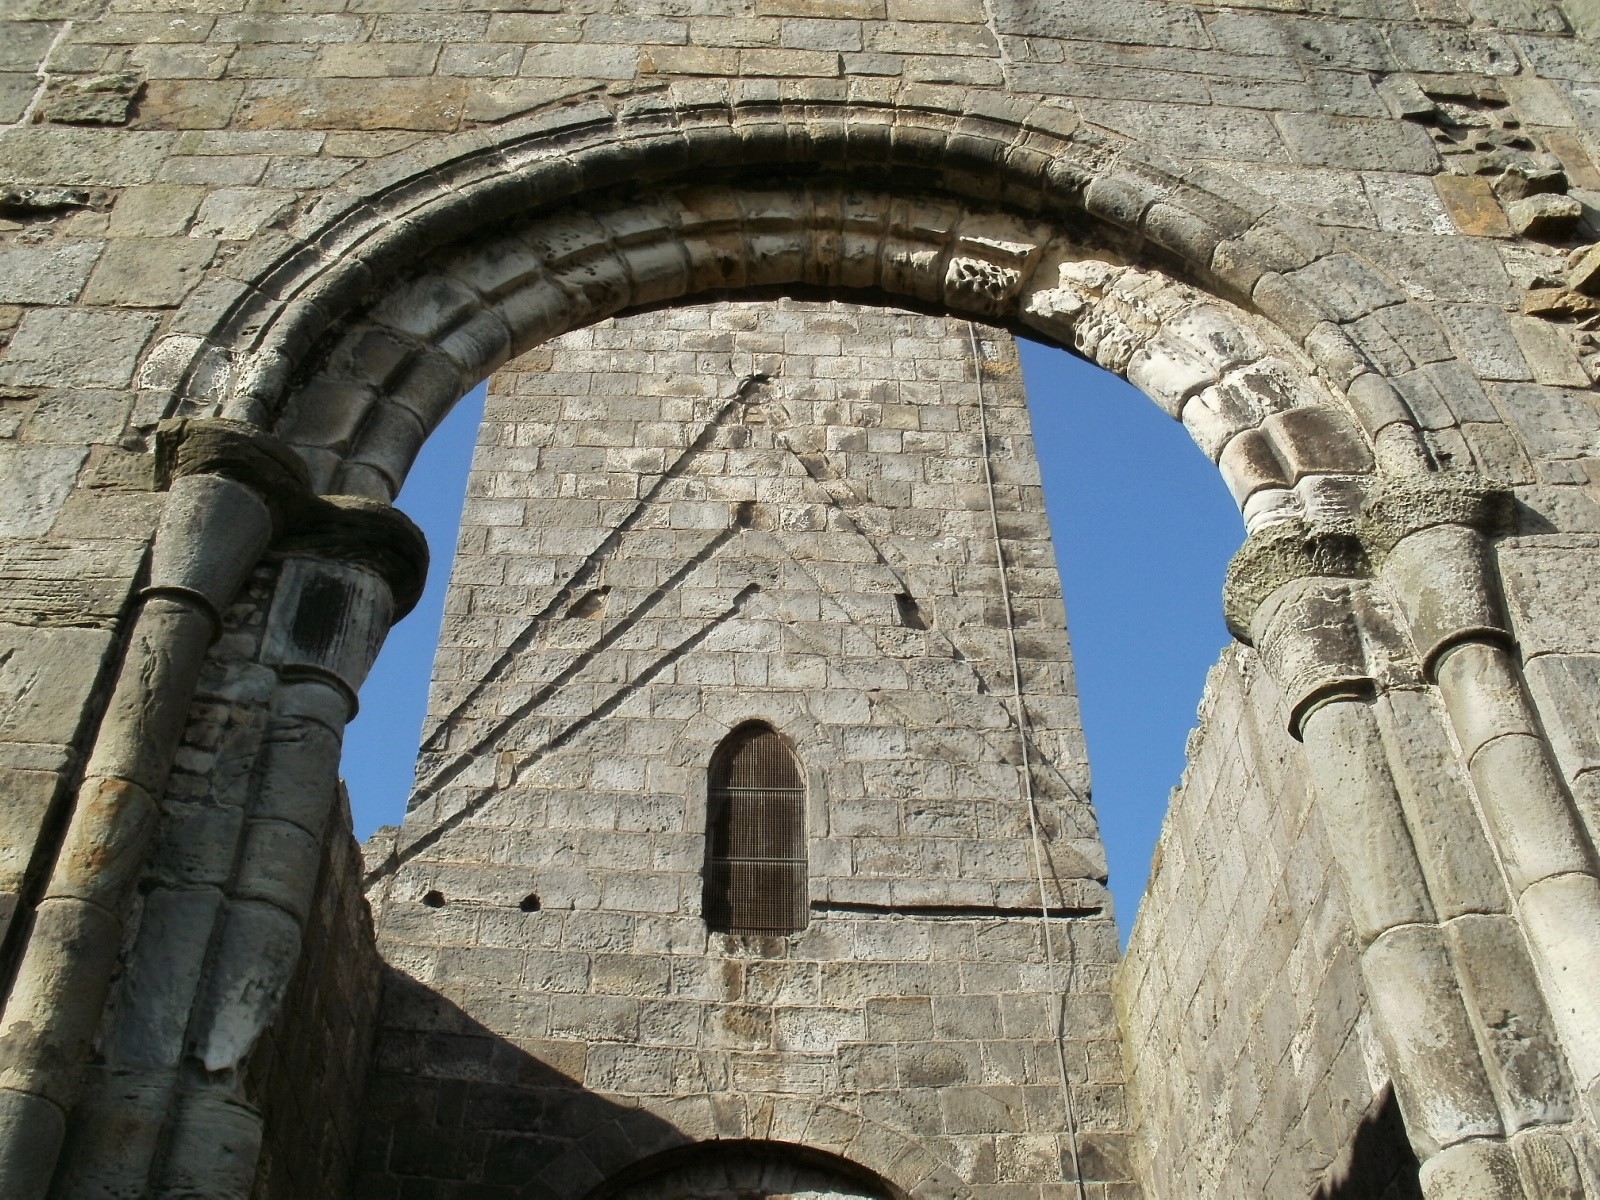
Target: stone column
(1299, 597)
(1515, 1032)
(226, 956)
(350, 570)
(221, 512)
(1435, 556)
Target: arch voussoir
(452, 266)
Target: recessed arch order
(353, 335)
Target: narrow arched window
(756, 836)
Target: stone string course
(1350, 246)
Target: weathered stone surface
(1278, 972)
(46, 274)
(1549, 608)
(148, 272)
(154, 210)
(78, 585)
(233, 214)
(46, 678)
(102, 158)
(1472, 205)
(92, 100)
(1544, 215)
(1584, 274)
(1365, 189)
(71, 348)
(426, 104)
(34, 483)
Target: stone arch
(361, 417)
(739, 1166)
(366, 322)
(634, 1139)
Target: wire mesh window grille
(756, 816)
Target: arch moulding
(350, 336)
(353, 333)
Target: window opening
(756, 878)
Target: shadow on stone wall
(1379, 1163)
(309, 1071)
(455, 1111)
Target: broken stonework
(95, 100)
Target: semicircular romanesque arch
(1380, 583)
(369, 320)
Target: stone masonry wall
(1251, 1065)
(309, 1072)
(1406, 189)
(60, 600)
(676, 523)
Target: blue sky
(1143, 530)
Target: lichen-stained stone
(46, 274)
(149, 272)
(92, 100)
(424, 104)
(97, 157)
(34, 484)
(46, 677)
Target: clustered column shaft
(1484, 1097)
(350, 565)
(1439, 569)
(217, 522)
(338, 590)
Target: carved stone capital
(1280, 554)
(1432, 547)
(366, 533)
(1310, 637)
(238, 451)
(1397, 509)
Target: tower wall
(678, 523)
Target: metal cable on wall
(1020, 715)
